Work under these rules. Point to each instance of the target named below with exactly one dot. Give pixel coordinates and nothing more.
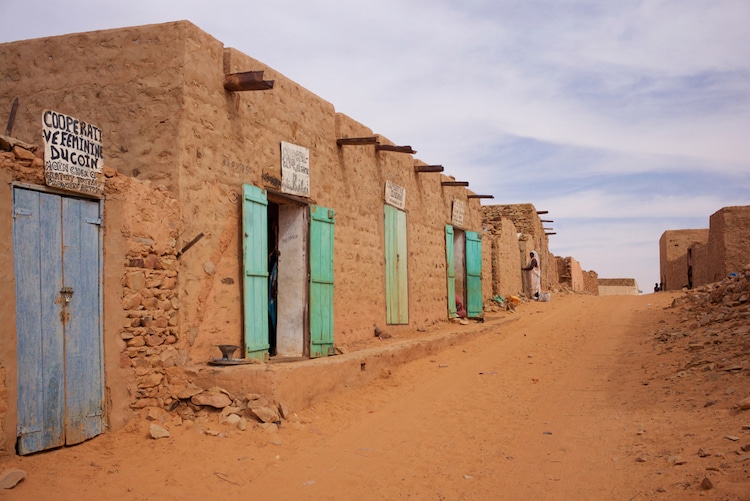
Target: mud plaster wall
(157, 94)
(528, 223)
(728, 242)
(591, 282)
(673, 245)
(505, 257)
(569, 273)
(140, 337)
(618, 287)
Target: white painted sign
(295, 169)
(459, 209)
(395, 195)
(73, 154)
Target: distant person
(534, 275)
(656, 287)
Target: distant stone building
(690, 258)
(618, 287)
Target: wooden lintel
(397, 149)
(347, 141)
(248, 80)
(481, 196)
(428, 168)
(455, 183)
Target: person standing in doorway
(534, 275)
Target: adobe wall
(158, 97)
(505, 258)
(569, 273)
(618, 287)
(527, 222)
(591, 282)
(140, 301)
(728, 242)
(673, 246)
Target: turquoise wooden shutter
(396, 260)
(255, 264)
(321, 281)
(473, 274)
(450, 271)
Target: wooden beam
(455, 183)
(397, 149)
(353, 141)
(481, 196)
(547, 221)
(428, 168)
(542, 212)
(553, 233)
(248, 80)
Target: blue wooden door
(396, 259)
(473, 274)
(321, 281)
(450, 271)
(57, 259)
(255, 265)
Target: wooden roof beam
(397, 149)
(481, 196)
(455, 183)
(428, 168)
(248, 80)
(356, 141)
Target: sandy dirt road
(572, 400)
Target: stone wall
(532, 237)
(618, 287)
(728, 242)
(569, 274)
(673, 247)
(591, 282)
(505, 257)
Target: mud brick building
(227, 205)
(690, 258)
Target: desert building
(690, 258)
(164, 195)
(618, 287)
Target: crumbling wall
(673, 256)
(591, 282)
(569, 273)
(505, 256)
(728, 242)
(528, 224)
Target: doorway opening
(288, 332)
(459, 266)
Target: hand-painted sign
(73, 158)
(395, 195)
(459, 209)
(295, 169)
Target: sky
(622, 118)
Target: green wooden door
(255, 276)
(321, 281)
(473, 274)
(450, 271)
(396, 258)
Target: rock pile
(715, 325)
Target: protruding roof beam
(248, 80)
(428, 168)
(481, 196)
(353, 141)
(455, 183)
(397, 149)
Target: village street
(572, 399)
